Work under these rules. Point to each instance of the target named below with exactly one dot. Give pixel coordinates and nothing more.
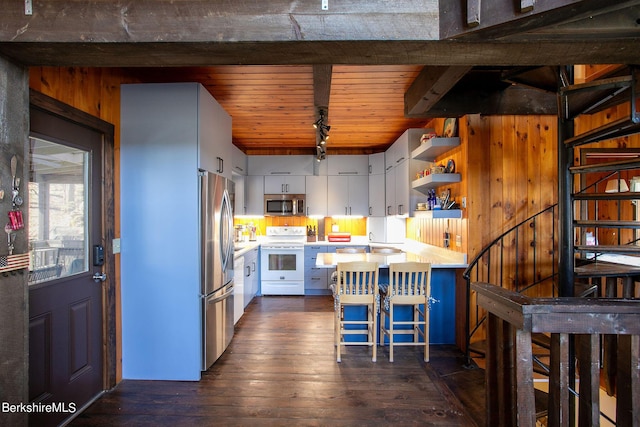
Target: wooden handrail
(513, 317)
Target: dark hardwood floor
(280, 369)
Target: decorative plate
(451, 167)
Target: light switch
(116, 246)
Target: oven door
(282, 263)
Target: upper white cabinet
(280, 165)
(238, 161)
(348, 185)
(239, 199)
(376, 185)
(254, 195)
(348, 165)
(399, 167)
(316, 195)
(348, 195)
(214, 132)
(376, 164)
(284, 184)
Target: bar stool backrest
(357, 278)
(351, 250)
(410, 279)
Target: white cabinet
(251, 274)
(254, 195)
(238, 288)
(238, 161)
(397, 189)
(284, 184)
(281, 165)
(402, 190)
(167, 132)
(214, 134)
(376, 164)
(348, 165)
(348, 195)
(398, 171)
(376, 185)
(348, 185)
(239, 201)
(316, 196)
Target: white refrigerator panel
(388, 229)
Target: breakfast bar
(443, 285)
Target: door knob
(99, 277)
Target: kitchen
(92, 90)
(279, 202)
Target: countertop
(414, 251)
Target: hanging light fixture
(323, 135)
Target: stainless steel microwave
(284, 204)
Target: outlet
(458, 240)
(464, 202)
(325, 5)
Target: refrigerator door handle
(221, 297)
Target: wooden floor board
(280, 370)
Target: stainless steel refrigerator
(216, 228)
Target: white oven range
(282, 261)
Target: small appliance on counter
(339, 237)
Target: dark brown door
(65, 299)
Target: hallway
(280, 369)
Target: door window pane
(58, 210)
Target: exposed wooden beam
(321, 85)
(473, 13)
(121, 21)
(429, 87)
(500, 19)
(510, 101)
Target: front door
(65, 299)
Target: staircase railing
(523, 258)
(514, 318)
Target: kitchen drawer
(315, 278)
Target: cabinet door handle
(346, 210)
(400, 159)
(248, 271)
(388, 210)
(370, 211)
(400, 209)
(286, 186)
(220, 164)
(370, 170)
(253, 266)
(282, 188)
(349, 210)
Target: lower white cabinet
(251, 275)
(238, 289)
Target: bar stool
(358, 287)
(348, 250)
(409, 285)
(385, 250)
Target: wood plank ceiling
(378, 67)
(273, 109)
